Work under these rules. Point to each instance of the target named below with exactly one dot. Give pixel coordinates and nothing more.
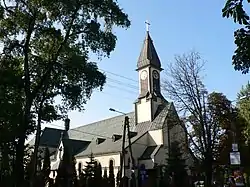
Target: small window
(79, 166)
(111, 162)
(54, 173)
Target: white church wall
(161, 156)
(155, 137)
(143, 111)
(102, 159)
(149, 164)
(60, 153)
(165, 137)
(138, 147)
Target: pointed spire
(148, 55)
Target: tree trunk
(19, 166)
(208, 172)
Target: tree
(176, 167)
(241, 58)
(11, 102)
(118, 178)
(52, 41)
(46, 166)
(111, 179)
(98, 175)
(89, 171)
(65, 172)
(243, 103)
(208, 115)
(105, 177)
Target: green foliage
(89, 171)
(176, 167)
(105, 177)
(46, 47)
(46, 164)
(118, 178)
(243, 103)
(205, 117)
(241, 57)
(66, 171)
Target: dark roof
(148, 152)
(75, 146)
(148, 55)
(87, 134)
(51, 137)
(107, 128)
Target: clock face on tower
(144, 75)
(155, 74)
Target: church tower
(149, 69)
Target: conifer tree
(89, 171)
(105, 177)
(176, 165)
(98, 175)
(65, 172)
(74, 173)
(111, 179)
(118, 179)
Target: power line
(115, 74)
(113, 95)
(117, 87)
(122, 83)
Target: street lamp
(122, 161)
(117, 111)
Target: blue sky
(176, 28)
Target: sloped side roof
(50, 137)
(106, 129)
(86, 135)
(75, 146)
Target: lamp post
(122, 169)
(122, 161)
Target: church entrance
(152, 177)
(150, 180)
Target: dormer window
(116, 137)
(132, 134)
(99, 141)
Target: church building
(153, 125)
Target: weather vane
(147, 25)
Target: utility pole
(122, 160)
(122, 170)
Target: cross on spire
(147, 25)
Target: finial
(147, 25)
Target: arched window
(112, 162)
(54, 173)
(79, 168)
(97, 161)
